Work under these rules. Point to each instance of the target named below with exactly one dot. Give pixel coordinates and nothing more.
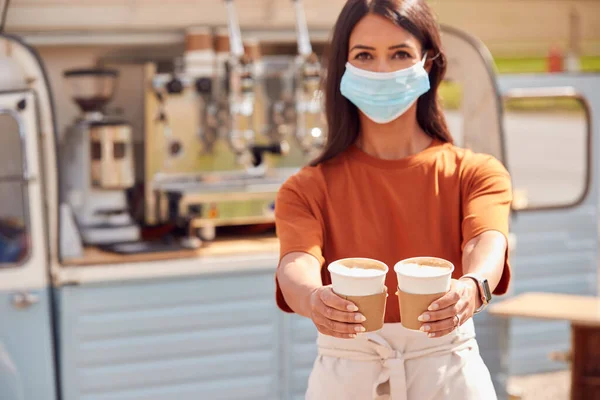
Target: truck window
(548, 148)
(14, 237)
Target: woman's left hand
(452, 310)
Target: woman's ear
(429, 61)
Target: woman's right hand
(334, 316)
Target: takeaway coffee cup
(362, 281)
(421, 280)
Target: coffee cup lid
(445, 266)
(358, 262)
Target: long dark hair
(416, 17)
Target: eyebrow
(401, 46)
(397, 46)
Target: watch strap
(483, 290)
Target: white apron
(396, 363)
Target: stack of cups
(421, 281)
(362, 281)
(199, 52)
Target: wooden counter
(583, 312)
(580, 310)
(219, 247)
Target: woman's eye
(363, 56)
(401, 55)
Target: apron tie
(376, 348)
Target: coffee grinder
(97, 161)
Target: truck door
(474, 113)
(552, 136)
(26, 349)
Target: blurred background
(144, 142)
(527, 36)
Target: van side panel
(209, 337)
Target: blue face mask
(384, 96)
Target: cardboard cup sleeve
(412, 305)
(372, 307)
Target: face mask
(384, 96)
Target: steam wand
(241, 84)
(310, 132)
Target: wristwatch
(484, 290)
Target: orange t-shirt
(428, 204)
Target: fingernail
(352, 307)
(431, 335)
(423, 318)
(433, 307)
(352, 336)
(425, 328)
(360, 329)
(360, 318)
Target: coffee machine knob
(203, 85)
(174, 86)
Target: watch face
(486, 291)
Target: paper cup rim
(414, 259)
(383, 272)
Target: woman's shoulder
(317, 176)
(469, 161)
(306, 176)
(306, 183)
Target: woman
(390, 185)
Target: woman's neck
(398, 139)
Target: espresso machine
(96, 159)
(225, 126)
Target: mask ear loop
(432, 58)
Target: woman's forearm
(484, 255)
(299, 274)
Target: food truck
(137, 253)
